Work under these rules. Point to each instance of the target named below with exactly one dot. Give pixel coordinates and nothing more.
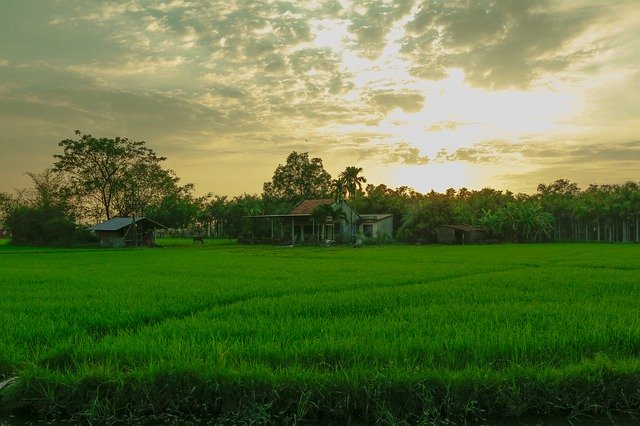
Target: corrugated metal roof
(374, 217)
(118, 223)
(464, 228)
(308, 206)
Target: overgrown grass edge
(594, 389)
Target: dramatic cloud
(492, 152)
(371, 22)
(498, 43)
(226, 89)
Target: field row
(301, 319)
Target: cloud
(319, 71)
(407, 101)
(545, 152)
(371, 21)
(498, 44)
(225, 79)
(445, 126)
(398, 153)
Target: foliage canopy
(114, 176)
(300, 178)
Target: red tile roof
(307, 206)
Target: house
(460, 234)
(126, 232)
(376, 225)
(306, 227)
(300, 225)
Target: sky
(428, 94)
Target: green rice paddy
(262, 334)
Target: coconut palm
(352, 181)
(338, 189)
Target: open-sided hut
(300, 225)
(126, 232)
(460, 234)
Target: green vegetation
(273, 334)
(97, 178)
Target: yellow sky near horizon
(426, 94)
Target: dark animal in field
(198, 239)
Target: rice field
(260, 334)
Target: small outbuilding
(376, 225)
(460, 234)
(126, 232)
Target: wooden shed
(126, 232)
(460, 234)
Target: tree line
(93, 179)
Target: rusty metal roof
(464, 228)
(374, 217)
(308, 206)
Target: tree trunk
(586, 232)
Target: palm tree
(338, 188)
(352, 181)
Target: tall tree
(41, 215)
(352, 180)
(114, 174)
(338, 189)
(300, 178)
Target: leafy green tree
(216, 210)
(42, 215)
(236, 211)
(523, 221)
(174, 211)
(300, 178)
(114, 175)
(40, 226)
(420, 220)
(149, 185)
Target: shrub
(40, 226)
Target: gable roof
(374, 217)
(308, 206)
(117, 223)
(464, 228)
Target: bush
(40, 226)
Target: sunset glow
(425, 94)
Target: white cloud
(377, 81)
